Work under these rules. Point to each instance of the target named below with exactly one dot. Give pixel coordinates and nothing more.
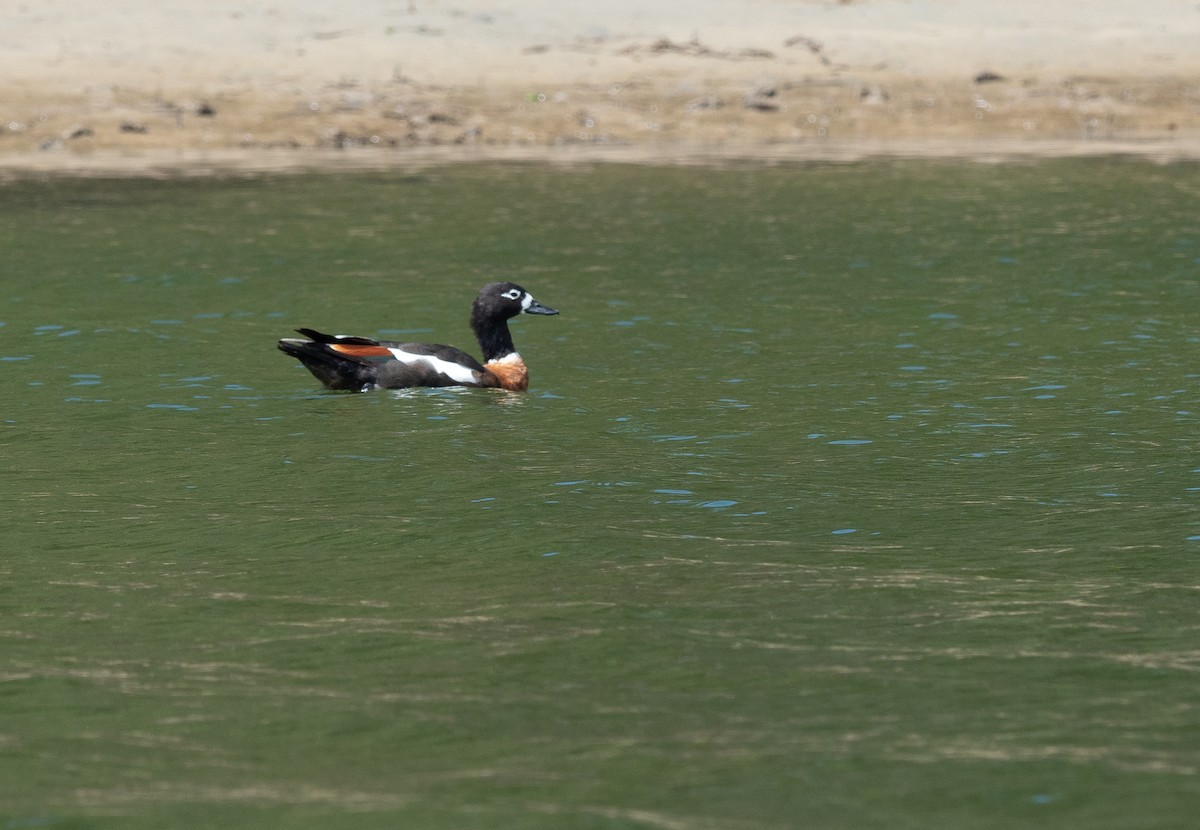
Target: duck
(360, 364)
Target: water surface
(843, 496)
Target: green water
(853, 496)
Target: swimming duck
(359, 363)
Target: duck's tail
(334, 369)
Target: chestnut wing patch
(372, 351)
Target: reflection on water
(834, 483)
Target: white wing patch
(455, 371)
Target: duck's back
(429, 364)
(439, 351)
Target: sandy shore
(200, 85)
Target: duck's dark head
(496, 304)
(502, 300)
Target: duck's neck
(494, 339)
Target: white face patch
(456, 372)
(512, 294)
(526, 301)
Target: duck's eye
(512, 294)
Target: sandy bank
(198, 85)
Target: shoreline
(168, 163)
